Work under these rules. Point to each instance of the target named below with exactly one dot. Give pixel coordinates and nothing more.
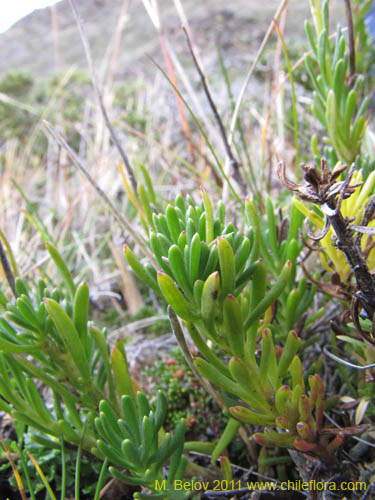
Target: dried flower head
(320, 187)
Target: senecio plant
(45, 336)
(237, 285)
(212, 277)
(337, 88)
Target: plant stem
(349, 17)
(353, 253)
(99, 97)
(7, 269)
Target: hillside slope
(237, 25)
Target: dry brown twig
(7, 269)
(117, 214)
(99, 96)
(323, 188)
(233, 162)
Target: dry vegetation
(65, 181)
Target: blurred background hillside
(47, 40)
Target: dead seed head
(319, 187)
